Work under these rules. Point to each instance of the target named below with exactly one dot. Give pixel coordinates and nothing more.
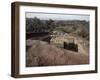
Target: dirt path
(81, 49)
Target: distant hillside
(80, 28)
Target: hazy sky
(46, 16)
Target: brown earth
(41, 53)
